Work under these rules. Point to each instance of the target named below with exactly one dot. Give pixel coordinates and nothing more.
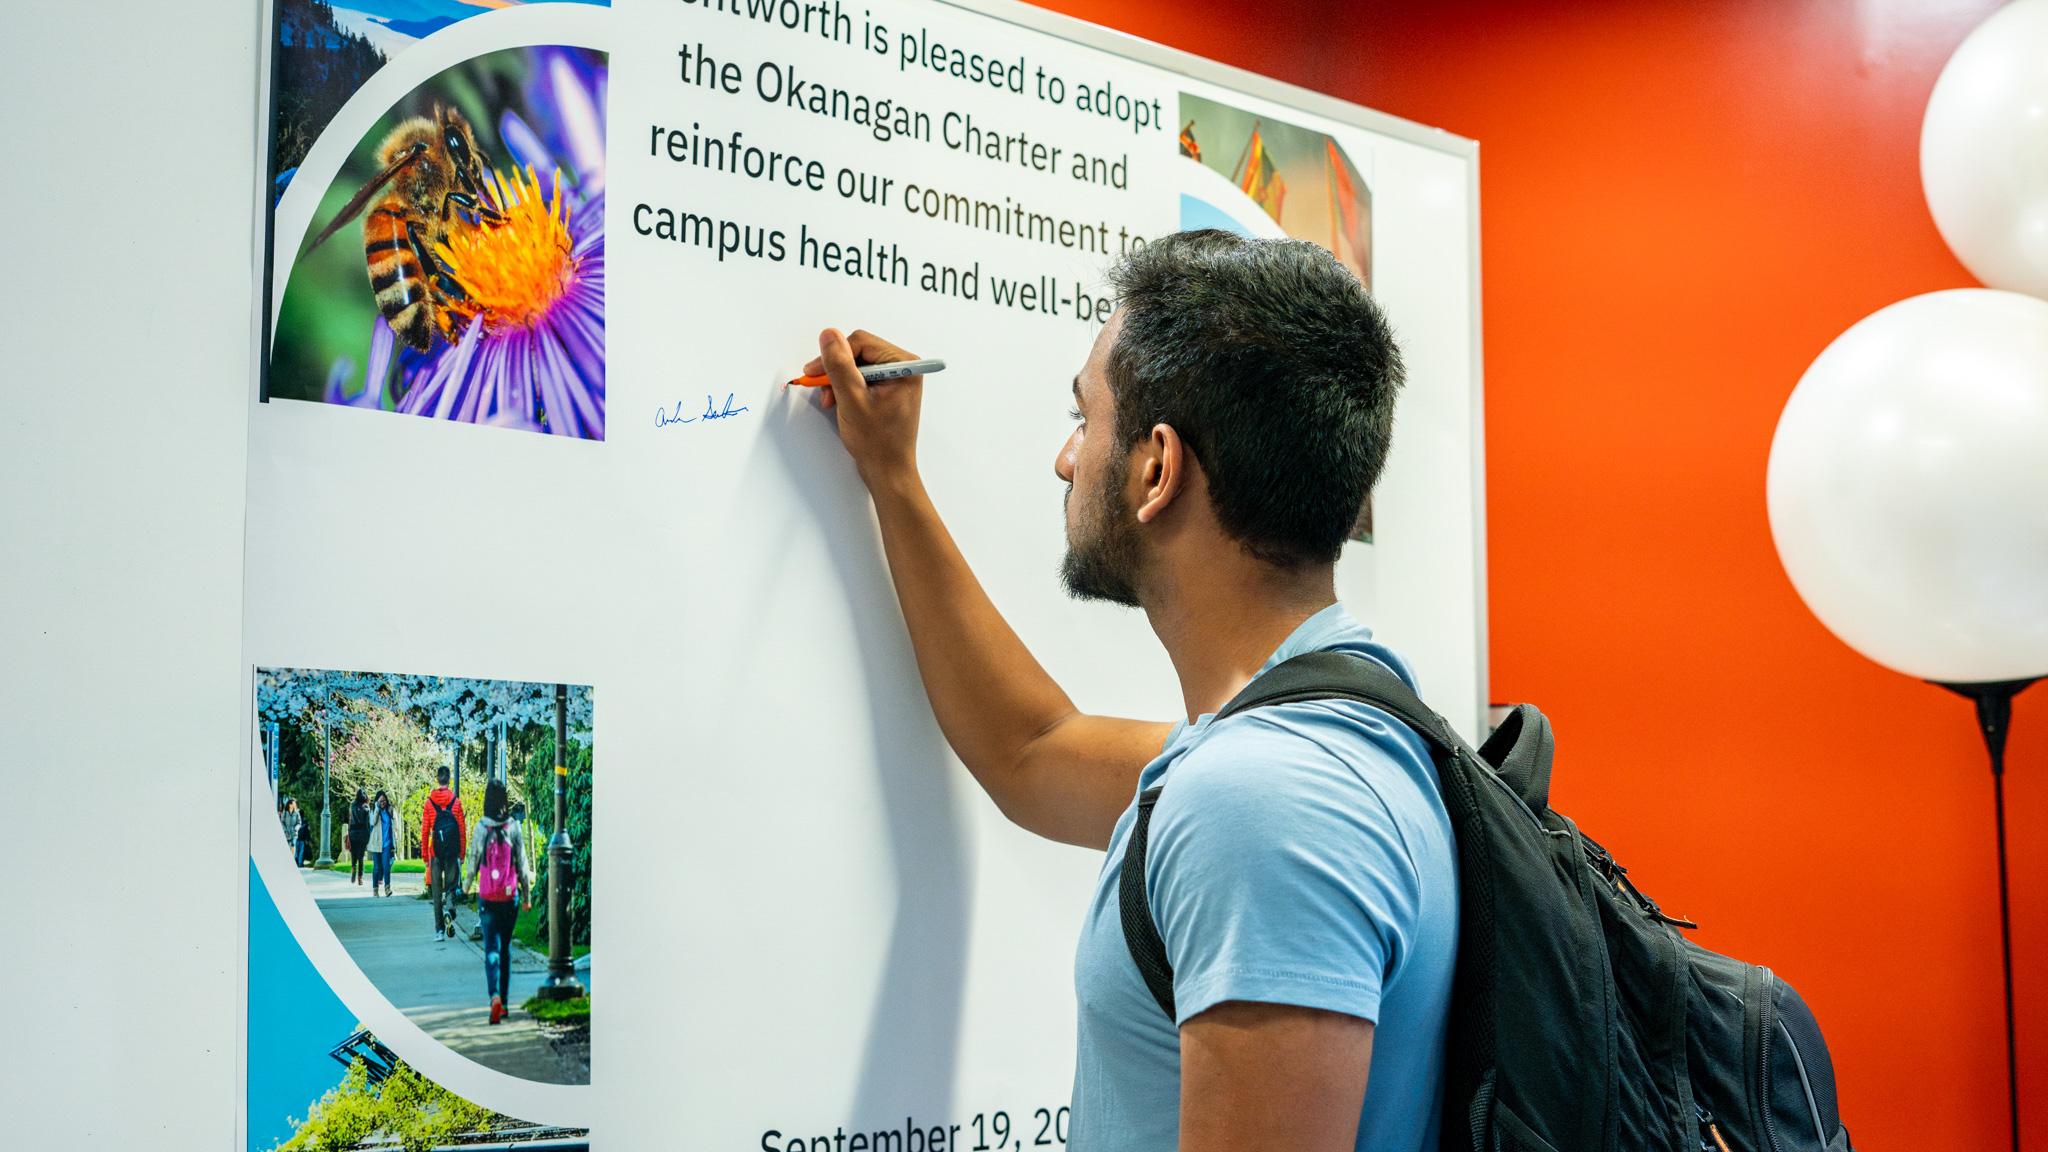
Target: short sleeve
(1277, 871)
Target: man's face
(1102, 559)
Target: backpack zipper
(1763, 1049)
(1711, 1138)
(1648, 905)
(1710, 1133)
(1618, 875)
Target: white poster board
(808, 921)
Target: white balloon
(1984, 149)
(1908, 486)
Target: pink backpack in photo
(497, 881)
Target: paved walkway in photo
(439, 984)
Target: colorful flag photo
(1301, 178)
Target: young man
(1233, 415)
(443, 838)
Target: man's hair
(1277, 370)
(441, 774)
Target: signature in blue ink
(663, 417)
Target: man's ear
(1162, 471)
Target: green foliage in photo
(531, 928)
(572, 1011)
(398, 867)
(407, 1108)
(540, 820)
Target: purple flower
(381, 340)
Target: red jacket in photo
(438, 799)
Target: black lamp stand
(1994, 717)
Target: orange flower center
(516, 268)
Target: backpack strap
(1141, 935)
(1337, 676)
(1310, 676)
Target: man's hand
(878, 424)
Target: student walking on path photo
(383, 839)
(294, 824)
(358, 835)
(503, 882)
(442, 841)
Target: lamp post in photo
(326, 763)
(561, 982)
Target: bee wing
(364, 195)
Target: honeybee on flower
(491, 293)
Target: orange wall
(1682, 203)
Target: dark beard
(1106, 567)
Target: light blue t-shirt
(1301, 855)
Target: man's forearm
(1053, 770)
(991, 696)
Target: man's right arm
(1051, 768)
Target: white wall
(129, 137)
